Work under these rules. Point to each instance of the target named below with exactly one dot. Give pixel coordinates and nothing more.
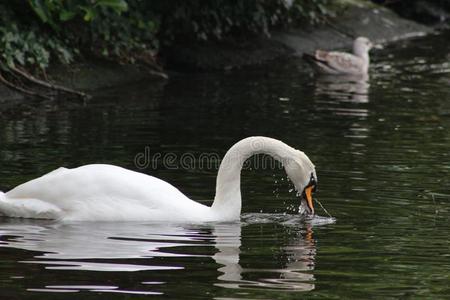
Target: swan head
(302, 173)
(362, 46)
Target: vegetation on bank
(37, 33)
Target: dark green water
(381, 149)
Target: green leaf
(10, 62)
(19, 56)
(66, 15)
(89, 13)
(40, 9)
(118, 5)
(43, 12)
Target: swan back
(100, 192)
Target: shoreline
(378, 23)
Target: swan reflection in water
(107, 246)
(299, 256)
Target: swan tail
(27, 208)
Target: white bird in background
(110, 193)
(336, 63)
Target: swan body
(101, 192)
(341, 63)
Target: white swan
(110, 193)
(341, 63)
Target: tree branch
(22, 90)
(48, 85)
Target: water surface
(380, 145)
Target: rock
(379, 24)
(434, 13)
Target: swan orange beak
(309, 198)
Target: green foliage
(53, 30)
(310, 10)
(127, 37)
(214, 19)
(36, 32)
(55, 12)
(30, 48)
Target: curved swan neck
(227, 201)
